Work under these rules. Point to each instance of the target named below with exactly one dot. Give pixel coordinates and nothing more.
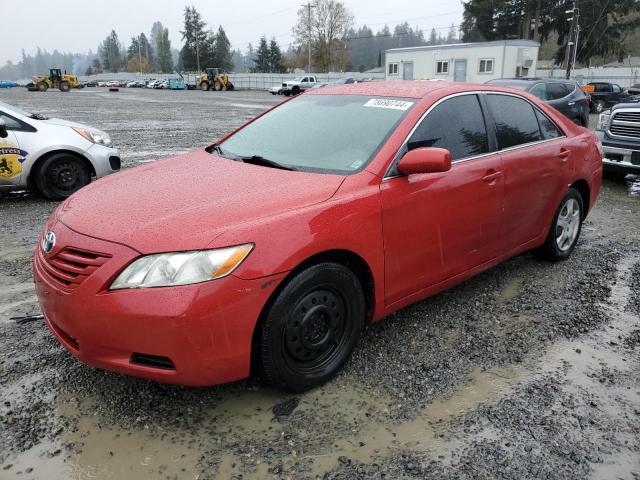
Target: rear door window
(456, 124)
(540, 91)
(556, 91)
(515, 119)
(547, 127)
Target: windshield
(326, 133)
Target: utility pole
(309, 7)
(140, 53)
(572, 43)
(197, 52)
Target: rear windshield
(325, 133)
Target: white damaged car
(49, 155)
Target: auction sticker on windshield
(386, 103)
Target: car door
(12, 156)
(439, 225)
(536, 164)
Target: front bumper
(205, 330)
(105, 160)
(620, 159)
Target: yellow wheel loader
(56, 79)
(214, 78)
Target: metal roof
(514, 43)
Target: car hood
(67, 123)
(185, 202)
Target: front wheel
(204, 86)
(565, 228)
(312, 327)
(42, 86)
(61, 175)
(65, 86)
(598, 106)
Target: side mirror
(3, 129)
(425, 160)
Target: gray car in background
(563, 95)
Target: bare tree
(328, 25)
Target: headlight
(603, 121)
(94, 136)
(181, 268)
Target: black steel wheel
(61, 175)
(311, 328)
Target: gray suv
(563, 95)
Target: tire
(565, 228)
(598, 106)
(311, 328)
(61, 175)
(42, 86)
(295, 91)
(217, 86)
(65, 86)
(204, 86)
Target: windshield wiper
(258, 160)
(38, 116)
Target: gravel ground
(529, 370)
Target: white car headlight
(603, 121)
(94, 136)
(181, 268)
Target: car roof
(408, 88)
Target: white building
(464, 62)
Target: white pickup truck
(298, 85)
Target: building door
(407, 71)
(460, 71)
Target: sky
(75, 26)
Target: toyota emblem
(48, 242)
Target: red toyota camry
(269, 251)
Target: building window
(442, 67)
(393, 69)
(486, 65)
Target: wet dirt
(530, 370)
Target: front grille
(72, 266)
(625, 124)
(628, 116)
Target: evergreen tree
(164, 62)
(194, 38)
(110, 51)
(222, 50)
(275, 58)
(261, 62)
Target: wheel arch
(349, 259)
(35, 168)
(582, 186)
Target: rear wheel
(65, 86)
(565, 228)
(42, 86)
(312, 327)
(60, 175)
(217, 86)
(204, 86)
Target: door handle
(571, 104)
(491, 176)
(564, 154)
